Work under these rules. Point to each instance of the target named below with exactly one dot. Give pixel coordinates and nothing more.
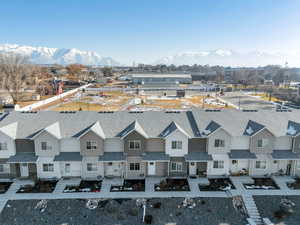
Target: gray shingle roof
(153, 123)
(285, 154)
(68, 156)
(211, 127)
(198, 156)
(112, 156)
(23, 158)
(241, 154)
(156, 156)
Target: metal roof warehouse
(161, 78)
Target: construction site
(130, 100)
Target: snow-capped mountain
(230, 58)
(44, 55)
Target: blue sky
(145, 30)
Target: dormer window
(176, 144)
(219, 143)
(262, 143)
(134, 144)
(91, 145)
(45, 146)
(3, 146)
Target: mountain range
(44, 55)
(230, 58)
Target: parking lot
(244, 101)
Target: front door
(24, 170)
(151, 168)
(67, 169)
(289, 168)
(193, 168)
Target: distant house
(161, 78)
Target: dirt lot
(208, 211)
(117, 100)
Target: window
(176, 166)
(91, 167)
(3, 146)
(261, 164)
(134, 144)
(45, 146)
(1, 168)
(218, 165)
(134, 166)
(91, 145)
(219, 143)
(176, 144)
(67, 168)
(49, 167)
(298, 165)
(110, 164)
(262, 143)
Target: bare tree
(17, 74)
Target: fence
(52, 99)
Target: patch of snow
(291, 130)
(249, 131)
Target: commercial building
(155, 78)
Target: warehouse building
(146, 79)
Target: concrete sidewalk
(148, 193)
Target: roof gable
(94, 127)
(134, 126)
(10, 130)
(252, 128)
(170, 129)
(53, 129)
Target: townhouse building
(133, 145)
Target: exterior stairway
(252, 209)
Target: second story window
(176, 144)
(219, 143)
(45, 146)
(91, 145)
(3, 146)
(262, 143)
(134, 144)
